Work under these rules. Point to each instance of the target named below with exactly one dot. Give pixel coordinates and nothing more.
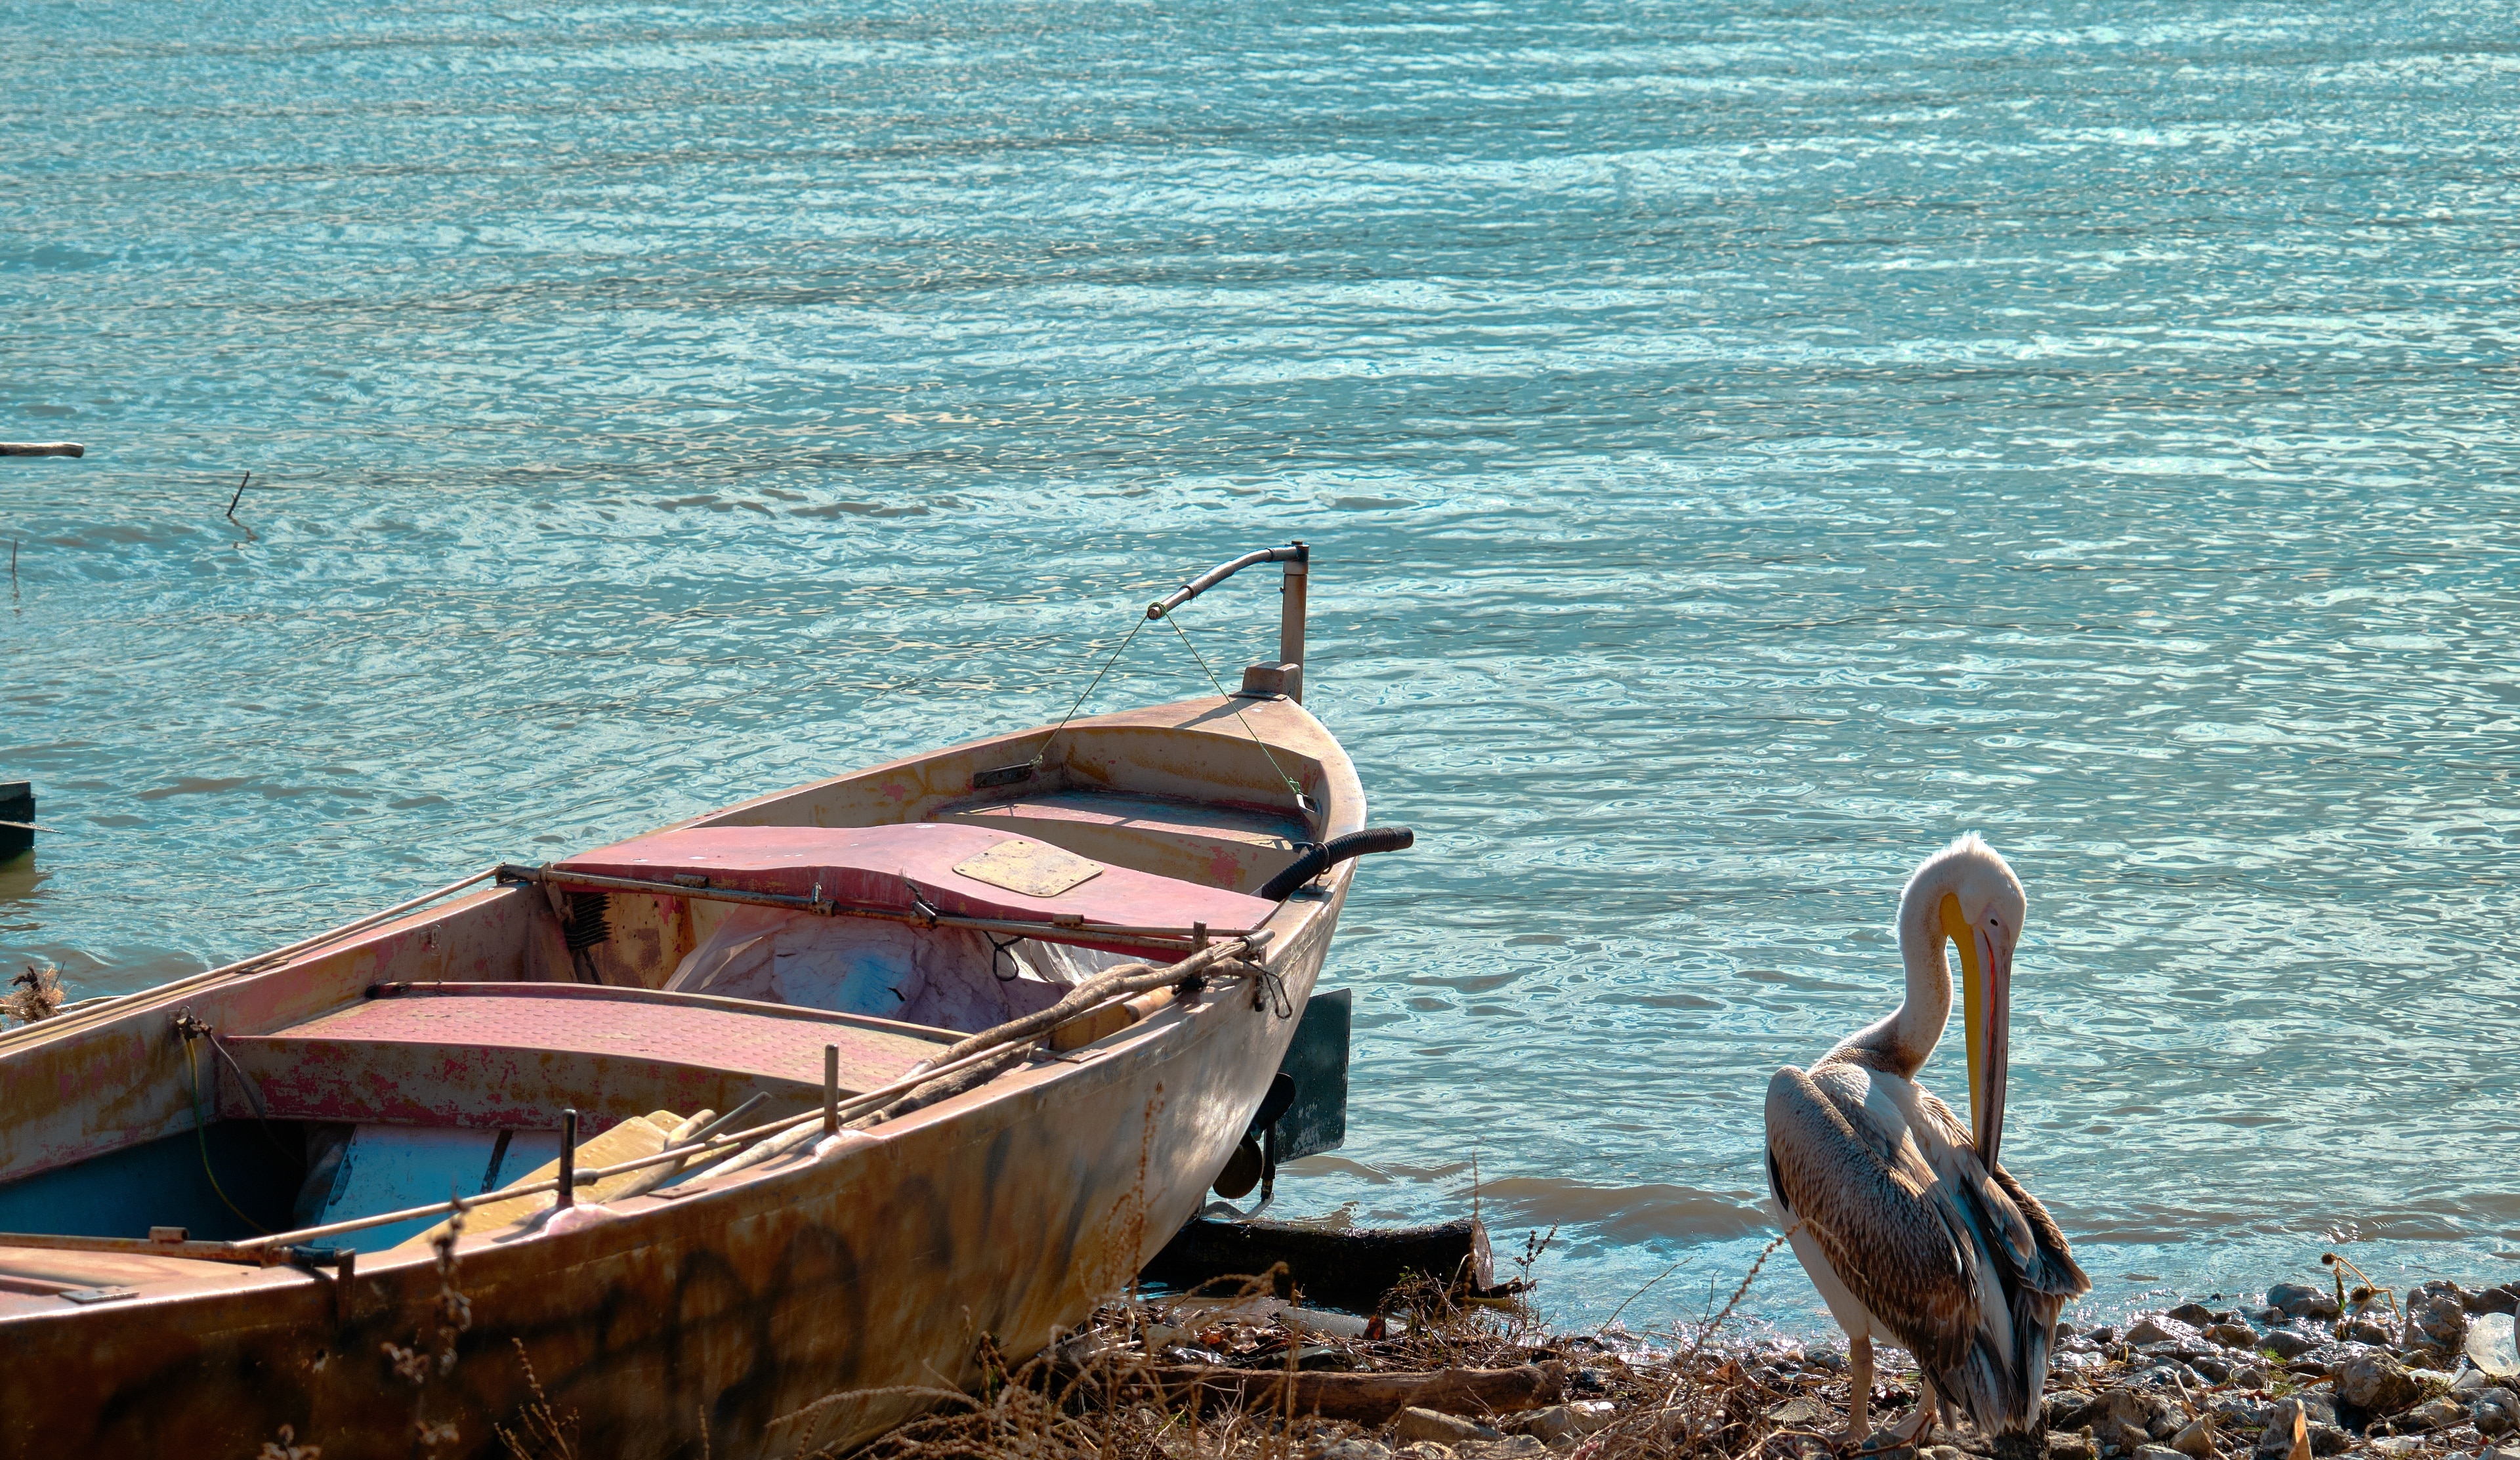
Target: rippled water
(1746, 445)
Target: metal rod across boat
(1154, 940)
(267, 1250)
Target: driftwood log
(41, 449)
(1365, 1398)
(1349, 1268)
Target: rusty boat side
(800, 1303)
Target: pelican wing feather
(2055, 1273)
(1862, 1194)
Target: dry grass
(1098, 1395)
(34, 994)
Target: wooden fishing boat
(755, 1126)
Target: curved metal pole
(1291, 611)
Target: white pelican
(1908, 1225)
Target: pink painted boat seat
(880, 865)
(515, 1055)
(1233, 847)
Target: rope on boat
(1043, 754)
(1303, 803)
(202, 1127)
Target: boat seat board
(881, 867)
(512, 1059)
(1229, 847)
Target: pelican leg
(1859, 1402)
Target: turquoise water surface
(1745, 445)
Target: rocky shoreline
(2300, 1374)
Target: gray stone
(1353, 1449)
(1796, 1414)
(2126, 1419)
(2287, 1343)
(2165, 1375)
(2366, 1331)
(2072, 1444)
(2434, 1414)
(2193, 1314)
(1424, 1450)
(2156, 1328)
(1943, 1452)
(2297, 1298)
(1513, 1447)
(2376, 1382)
(2239, 1336)
(2157, 1453)
(2195, 1440)
(2276, 1440)
(2494, 1411)
(1443, 1429)
(2438, 1312)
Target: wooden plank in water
(41, 449)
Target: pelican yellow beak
(1986, 1007)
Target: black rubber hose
(1318, 859)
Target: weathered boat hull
(792, 1308)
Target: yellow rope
(202, 1133)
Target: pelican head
(1966, 896)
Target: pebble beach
(2288, 1373)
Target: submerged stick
(41, 449)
